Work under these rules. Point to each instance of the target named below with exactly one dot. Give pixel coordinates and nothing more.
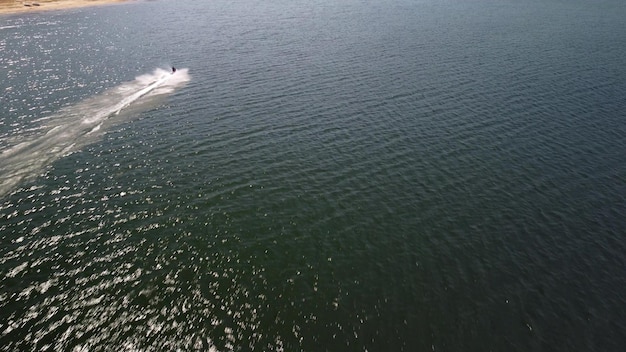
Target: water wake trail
(81, 124)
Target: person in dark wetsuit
(173, 69)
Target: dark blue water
(341, 176)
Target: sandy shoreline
(24, 6)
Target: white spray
(81, 124)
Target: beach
(20, 6)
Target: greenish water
(340, 176)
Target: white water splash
(81, 124)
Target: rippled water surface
(321, 175)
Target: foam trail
(81, 124)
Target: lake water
(318, 175)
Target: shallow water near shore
(340, 176)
